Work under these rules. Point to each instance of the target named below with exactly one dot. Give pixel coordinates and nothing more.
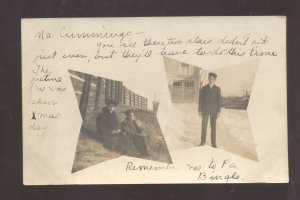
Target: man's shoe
(202, 144)
(214, 146)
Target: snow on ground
(234, 134)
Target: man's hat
(111, 102)
(128, 112)
(211, 74)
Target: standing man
(209, 107)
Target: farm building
(184, 81)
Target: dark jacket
(210, 99)
(131, 127)
(107, 122)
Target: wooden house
(184, 81)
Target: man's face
(111, 107)
(211, 80)
(131, 116)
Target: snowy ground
(233, 130)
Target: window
(185, 69)
(189, 84)
(177, 83)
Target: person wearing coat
(108, 126)
(209, 107)
(134, 133)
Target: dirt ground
(90, 150)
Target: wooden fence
(103, 89)
(117, 91)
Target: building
(184, 81)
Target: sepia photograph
(116, 121)
(210, 107)
(166, 100)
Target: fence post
(124, 95)
(107, 89)
(139, 101)
(134, 99)
(112, 89)
(155, 107)
(142, 102)
(120, 92)
(117, 91)
(85, 95)
(98, 92)
(130, 98)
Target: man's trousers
(213, 122)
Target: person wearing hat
(134, 132)
(209, 106)
(108, 125)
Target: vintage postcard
(154, 100)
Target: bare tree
(246, 92)
(202, 75)
(246, 95)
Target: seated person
(134, 133)
(108, 125)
